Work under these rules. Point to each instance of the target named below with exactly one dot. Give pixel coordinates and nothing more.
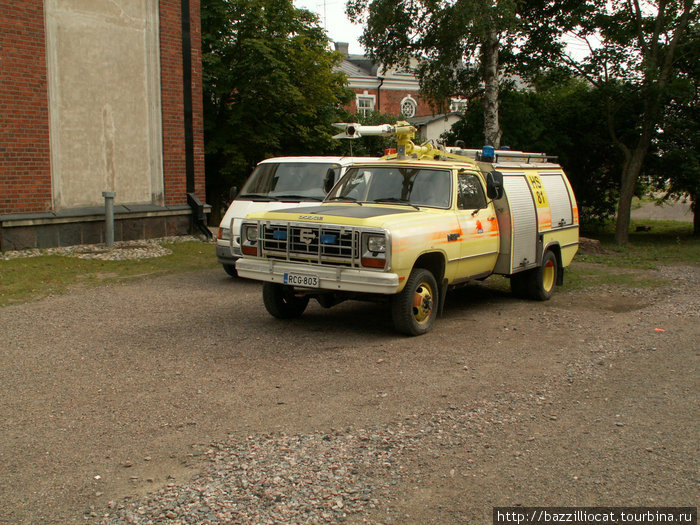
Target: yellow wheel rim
(423, 302)
(548, 275)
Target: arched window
(409, 106)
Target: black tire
(542, 280)
(281, 302)
(415, 308)
(519, 284)
(230, 269)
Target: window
(365, 104)
(408, 107)
(408, 185)
(458, 104)
(290, 179)
(471, 193)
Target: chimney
(342, 47)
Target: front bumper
(225, 254)
(330, 278)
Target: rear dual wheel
(538, 283)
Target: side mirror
(329, 181)
(232, 193)
(494, 185)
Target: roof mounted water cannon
(355, 131)
(405, 148)
(404, 133)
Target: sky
(333, 20)
(340, 29)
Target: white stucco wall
(433, 130)
(104, 101)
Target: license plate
(307, 281)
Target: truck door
(477, 219)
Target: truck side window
(471, 193)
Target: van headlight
(250, 232)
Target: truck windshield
(292, 180)
(409, 185)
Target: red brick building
(101, 96)
(393, 91)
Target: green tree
(270, 87)
(676, 167)
(636, 45)
(562, 118)
(462, 48)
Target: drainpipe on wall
(187, 94)
(379, 94)
(199, 218)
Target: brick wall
(174, 174)
(390, 101)
(25, 169)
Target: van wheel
(414, 309)
(542, 280)
(230, 269)
(281, 302)
(519, 284)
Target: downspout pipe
(199, 218)
(379, 93)
(187, 94)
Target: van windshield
(291, 180)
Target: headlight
(250, 232)
(376, 243)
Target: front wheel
(414, 309)
(281, 302)
(230, 269)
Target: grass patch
(659, 243)
(581, 278)
(29, 278)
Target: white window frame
(410, 100)
(458, 105)
(365, 97)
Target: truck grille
(313, 243)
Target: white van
(280, 182)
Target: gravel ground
(174, 411)
(121, 251)
(347, 475)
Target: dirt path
(166, 385)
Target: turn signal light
(373, 263)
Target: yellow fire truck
(409, 226)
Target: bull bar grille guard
(322, 244)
